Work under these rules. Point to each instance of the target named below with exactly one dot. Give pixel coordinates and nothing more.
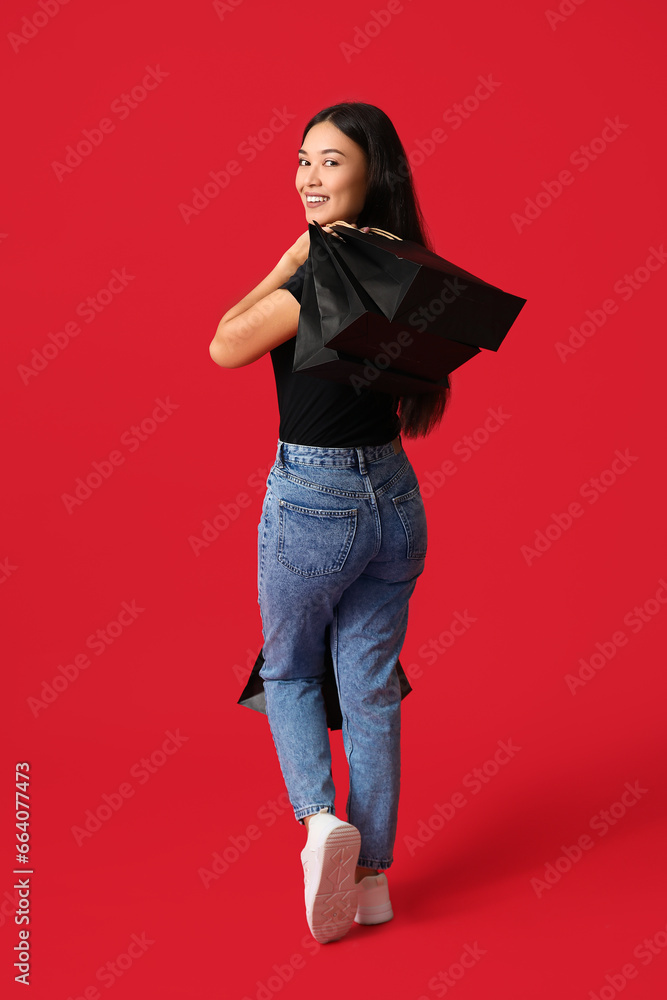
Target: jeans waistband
(359, 456)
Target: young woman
(342, 536)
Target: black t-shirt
(326, 414)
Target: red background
(179, 665)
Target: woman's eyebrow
(324, 151)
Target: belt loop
(362, 461)
(281, 460)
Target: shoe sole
(374, 914)
(332, 910)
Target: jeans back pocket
(314, 542)
(410, 509)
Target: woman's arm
(266, 317)
(283, 270)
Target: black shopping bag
(328, 298)
(381, 299)
(253, 696)
(404, 277)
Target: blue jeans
(341, 542)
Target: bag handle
(382, 232)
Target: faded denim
(341, 541)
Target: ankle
(307, 819)
(363, 872)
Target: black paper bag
(403, 278)
(333, 300)
(253, 696)
(396, 306)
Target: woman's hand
(300, 249)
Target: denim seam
(351, 516)
(348, 493)
(262, 540)
(376, 517)
(412, 552)
(318, 511)
(394, 479)
(303, 458)
(352, 494)
(311, 810)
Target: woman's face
(332, 168)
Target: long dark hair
(391, 204)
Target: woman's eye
(303, 160)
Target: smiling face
(333, 169)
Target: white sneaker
(329, 863)
(373, 906)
